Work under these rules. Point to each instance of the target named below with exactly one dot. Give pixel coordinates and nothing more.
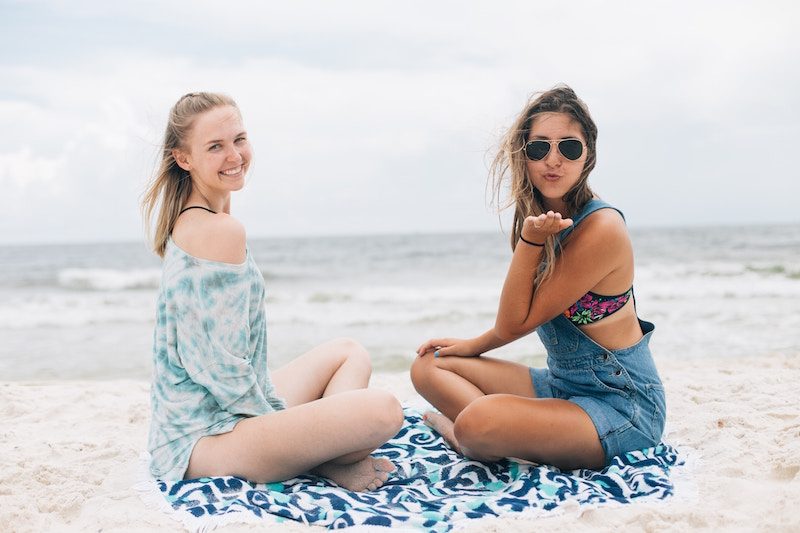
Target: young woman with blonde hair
(217, 410)
(571, 281)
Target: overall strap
(591, 206)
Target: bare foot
(443, 426)
(366, 474)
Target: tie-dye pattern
(209, 355)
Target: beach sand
(70, 453)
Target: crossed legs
(490, 411)
(331, 425)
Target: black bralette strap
(196, 207)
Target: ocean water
(87, 311)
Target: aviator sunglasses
(538, 149)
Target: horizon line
(141, 239)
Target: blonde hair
(510, 164)
(171, 186)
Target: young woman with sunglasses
(216, 408)
(571, 281)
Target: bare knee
(352, 352)
(475, 428)
(382, 414)
(389, 412)
(421, 370)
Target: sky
(382, 117)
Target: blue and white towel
(433, 489)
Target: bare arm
(595, 255)
(518, 284)
(463, 347)
(598, 256)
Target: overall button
(618, 372)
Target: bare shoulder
(601, 244)
(215, 237)
(604, 228)
(607, 220)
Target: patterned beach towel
(433, 489)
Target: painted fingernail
(436, 353)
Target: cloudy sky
(380, 117)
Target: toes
(372, 486)
(382, 464)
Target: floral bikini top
(593, 307)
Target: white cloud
(371, 116)
(22, 170)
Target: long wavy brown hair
(171, 186)
(510, 165)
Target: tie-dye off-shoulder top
(209, 355)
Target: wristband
(526, 241)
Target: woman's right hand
(447, 346)
(538, 228)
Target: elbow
(507, 331)
(505, 335)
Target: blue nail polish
(436, 353)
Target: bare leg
(452, 383)
(325, 390)
(335, 366)
(332, 436)
(490, 410)
(546, 431)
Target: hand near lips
(443, 347)
(537, 228)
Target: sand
(69, 452)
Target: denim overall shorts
(619, 389)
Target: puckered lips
(551, 176)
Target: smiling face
(554, 174)
(216, 153)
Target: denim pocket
(658, 405)
(612, 378)
(558, 342)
